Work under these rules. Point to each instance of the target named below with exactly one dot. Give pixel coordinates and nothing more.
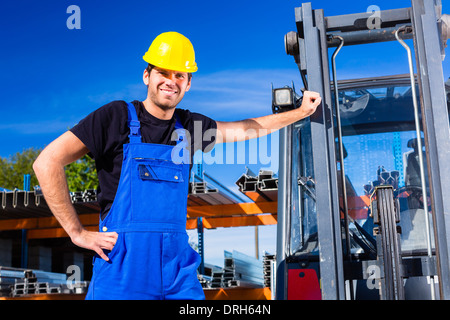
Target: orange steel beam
(225, 222)
(233, 209)
(52, 233)
(44, 222)
(48, 296)
(208, 223)
(238, 221)
(210, 294)
(238, 294)
(226, 215)
(91, 219)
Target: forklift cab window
(380, 144)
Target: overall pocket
(99, 263)
(156, 185)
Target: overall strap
(178, 124)
(133, 124)
(181, 151)
(179, 129)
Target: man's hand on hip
(96, 241)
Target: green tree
(81, 174)
(13, 169)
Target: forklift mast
(340, 236)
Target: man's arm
(49, 169)
(257, 127)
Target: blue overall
(152, 258)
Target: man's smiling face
(166, 88)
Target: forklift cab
(370, 225)
(380, 149)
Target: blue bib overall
(152, 258)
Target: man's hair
(151, 66)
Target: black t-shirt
(105, 130)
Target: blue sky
(51, 77)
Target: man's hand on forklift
(311, 101)
(233, 131)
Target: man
(142, 245)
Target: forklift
(363, 201)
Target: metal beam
(362, 21)
(233, 209)
(331, 264)
(52, 233)
(227, 215)
(436, 128)
(208, 223)
(227, 222)
(365, 36)
(284, 210)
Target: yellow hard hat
(172, 51)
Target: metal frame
(386, 217)
(435, 127)
(284, 210)
(313, 61)
(309, 46)
(325, 175)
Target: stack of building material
(247, 182)
(216, 279)
(88, 195)
(37, 281)
(384, 177)
(30, 286)
(20, 204)
(17, 282)
(26, 204)
(76, 287)
(204, 280)
(8, 277)
(268, 184)
(241, 270)
(211, 277)
(201, 193)
(269, 263)
(5, 286)
(261, 187)
(76, 196)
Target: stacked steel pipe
(15, 282)
(239, 270)
(261, 187)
